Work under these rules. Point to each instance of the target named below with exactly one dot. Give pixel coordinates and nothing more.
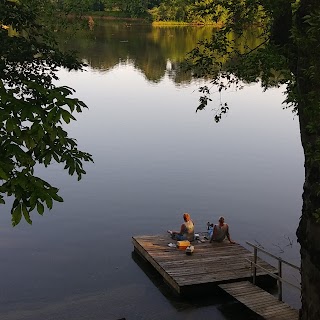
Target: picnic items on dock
(189, 250)
(183, 245)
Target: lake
(155, 158)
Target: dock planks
(260, 301)
(210, 264)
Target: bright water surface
(155, 158)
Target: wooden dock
(211, 264)
(260, 301)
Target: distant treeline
(189, 11)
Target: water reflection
(155, 51)
(154, 158)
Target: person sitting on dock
(186, 231)
(219, 232)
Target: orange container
(183, 244)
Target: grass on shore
(181, 23)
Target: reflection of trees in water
(147, 48)
(178, 74)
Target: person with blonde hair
(186, 230)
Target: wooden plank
(145, 254)
(260, 301)
(211, 263)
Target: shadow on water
(226, 305)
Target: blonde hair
(186, 217)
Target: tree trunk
(307, 76)
(282, 23)
(309, 237)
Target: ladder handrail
(273, 256)
(279, 278)
(273, 275)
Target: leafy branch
(33, 110)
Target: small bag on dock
(189, 250)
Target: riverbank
(95, 15)
(114, 16)
(117, 16)
(178, 23)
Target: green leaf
(48, 200)
(16, 215)
(40, 208)
(29, 142)
(72, 168)
(65, 115)
(47, 159)
(3, 175)
(51, 114)
(33, 201)
(57, 198)
(56, 157)
(9, 125)
(26, 214)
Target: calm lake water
(155, 158)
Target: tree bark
(308, 233)
(282, 23)
(309, 238)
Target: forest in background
(179, 11)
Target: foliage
(288, 53)
(230, 65)
(80, 6)
(171, 10)
(33, 109)
(131, 9)
(190, 11)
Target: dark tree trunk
(307, 72)
(309, 235)
(282, 23)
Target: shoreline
(146, 21)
